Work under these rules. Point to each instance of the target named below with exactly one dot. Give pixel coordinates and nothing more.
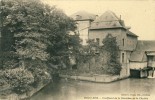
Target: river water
(143, 89)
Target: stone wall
(94, 78)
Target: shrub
(40, 77)
(19, 79)
(40, 72)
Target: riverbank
(95, 78)
(24, 96)
(20, 83)
(32, 92)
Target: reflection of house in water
(137, 57)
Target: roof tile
(83, 15)
(107, 20)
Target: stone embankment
(95, 78)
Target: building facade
(142, 60)
(108, 23)
(83, 20)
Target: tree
(113, 65)
(22, 19)
(41, 31)
(39, 34)
(61, 25)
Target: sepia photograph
(77, 49)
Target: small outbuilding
(138, 64)
(142, 60)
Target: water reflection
(77, 90)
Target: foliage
(88, 51)
(95, 59)
(113, 65)
(40, 72)
(19, 79)
(36, 34)
(19, 20)
(41, 31)
(9, 60)
(63, 43)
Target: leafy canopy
(40, 31)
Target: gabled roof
(131, 34)
(107, 20)
(138, 56)
(146, 45)
(143, 47)
(83, 15)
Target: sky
(138, 14)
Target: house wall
(153, 64)
(126, 64)
(123, 60)
(151, 61)
(124, 71)
(131, 43)
(83, 27)
(125, 51)
(138, 65)
(143, 73)
(102, 33)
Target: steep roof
(107, 20)
(143, 47)
(138, 56)
(131, 34)
(146, 45)
(83, 15)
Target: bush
(40, 77)
(19, 79)
(2, 82)
(40, 72)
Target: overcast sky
(139, 14)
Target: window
(98, 40)
(122, 57)
(123, 41)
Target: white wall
(83, 27)
(138, 65)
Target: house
(142, 61)
(137, 57)
(109, 23)
(83, 20)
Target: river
(83, 90)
